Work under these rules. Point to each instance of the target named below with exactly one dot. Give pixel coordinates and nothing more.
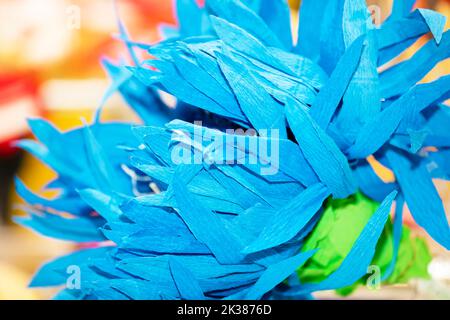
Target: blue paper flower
(177, 220)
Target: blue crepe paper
(226, 231)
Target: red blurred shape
(18, 100)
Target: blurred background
(49, 67)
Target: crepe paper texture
(251, 175)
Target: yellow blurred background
(49, 66)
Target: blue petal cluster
(204, 230)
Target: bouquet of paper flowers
(254, 173)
